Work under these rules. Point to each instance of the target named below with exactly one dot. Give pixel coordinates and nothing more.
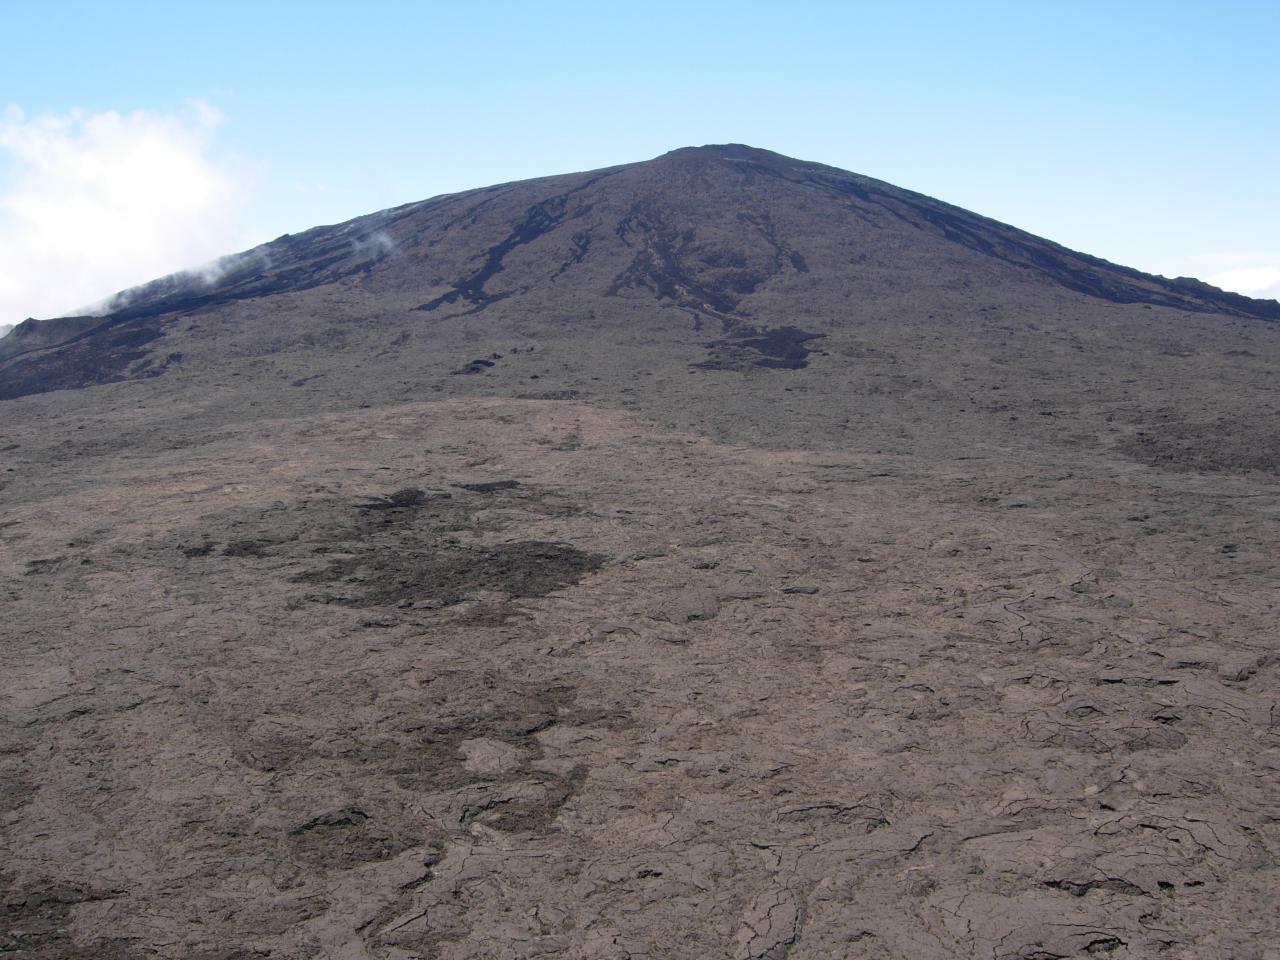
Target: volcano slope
(717, 556)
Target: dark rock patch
(35, 921)
(347, 836)
(404, 499)
(491, 486)
(782, 348)
(1227, 445)
(449, 573)
(479, 365)
(15, 792)
(535, 813)
(550, 395)
(44, 565)
(246, 548)
(475, 366)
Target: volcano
(723, 555)
(729, 240)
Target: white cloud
(92, 203)
(1253, 273)
(1254, 281)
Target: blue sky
(138, 138)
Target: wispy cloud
(92, 203)
(375, 246)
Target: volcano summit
(718, 556)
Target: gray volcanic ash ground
(719, 556)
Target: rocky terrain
(719, 556)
